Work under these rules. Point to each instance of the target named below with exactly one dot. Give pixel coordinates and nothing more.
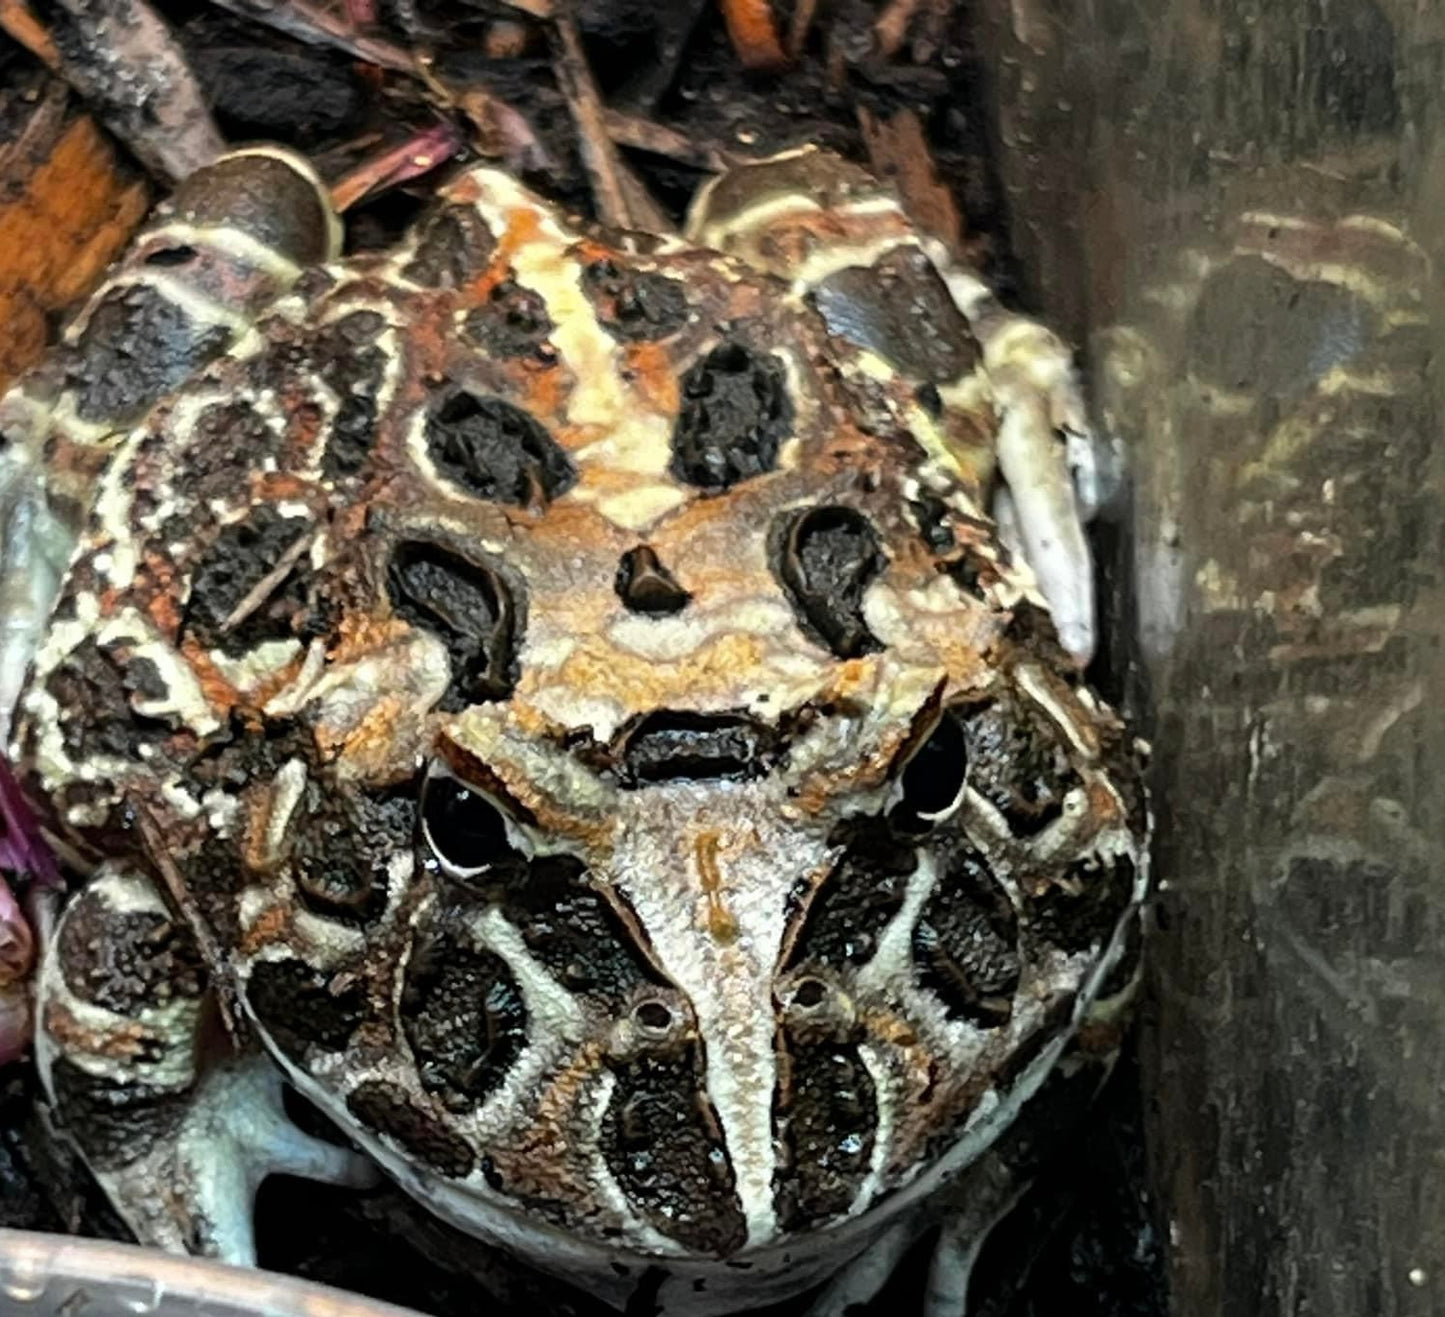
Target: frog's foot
(179, 1142)
(1052, 464)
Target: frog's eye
(932, 781)
(466, 831)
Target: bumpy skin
(579, 719)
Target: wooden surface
(67, 207)
(1238, 208)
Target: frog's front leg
(1054, 479)
(178, 1127)
(231, 240)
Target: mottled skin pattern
(565, 701)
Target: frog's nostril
(810, 994)
(653, 1017)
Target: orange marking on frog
(722, 925)
(161, 606)
(122, 1041)
(219, 693)
(372, 738)
(652, 372)
(638, 684)
(524, 226)
(271, 925)
(544, 387)
(281, 486)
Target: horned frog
(560, 701)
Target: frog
(598, 715)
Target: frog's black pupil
(466, 829)
(934, 776)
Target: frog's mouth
(615, 1270)
(602, 1241)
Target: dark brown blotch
(96, 688)
(463, 1014)
(662, 1142)
(388, 1110)
(825, 559)
(491, 450)
(512, 322)
(585, 942)
(827, 1117)
(127, 960)
(136, 348)
(676, 744)
(900, 309)
(1017, 762)
(965, 944)
(453, 246)
(250, 585)
(342, 840)
(301, 1007)
(114, 1123)
(470, 607)
(1080, 909)
(735, 415)
(634, 305)
(351, 364)
(845, 917)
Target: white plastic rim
(56, 1276)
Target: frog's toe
(234, 1135)
(1046, 457)
(179, 1142)
(860, 1281)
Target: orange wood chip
(754, 33)
(67, 208)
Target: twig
(419, 155)
(645, 135)
(643, 212)
(802, 22)
(24, 27)
(502, 132)
(309, 23)
(898, 149)
(599, 156)
(891, 28)
(121, 59)
(263, 589)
